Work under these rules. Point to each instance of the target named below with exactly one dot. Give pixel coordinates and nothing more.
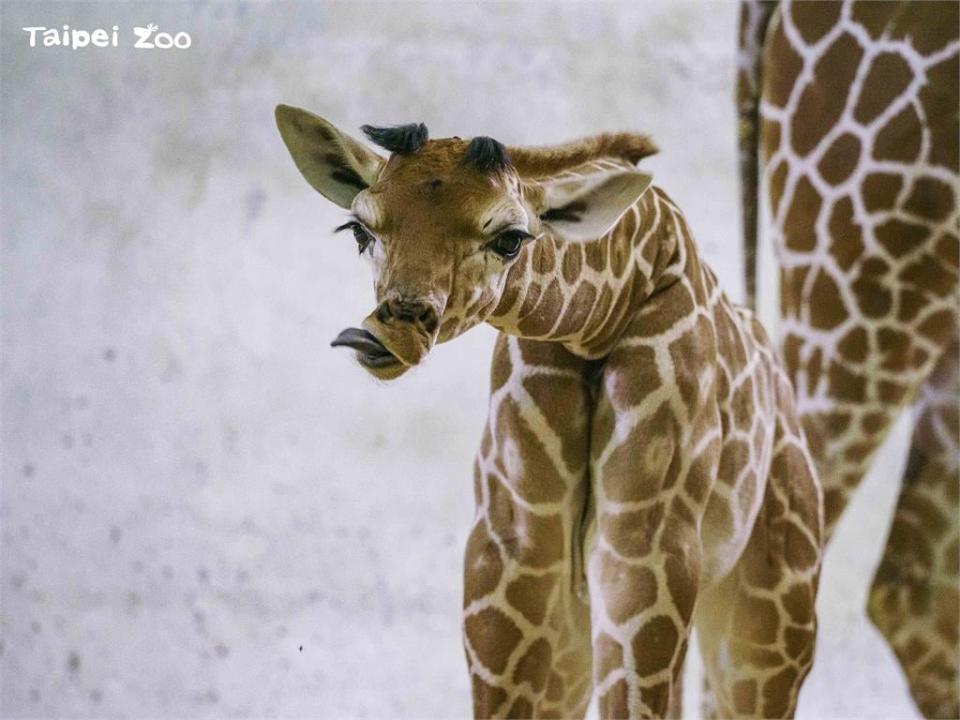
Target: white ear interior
(585, 208)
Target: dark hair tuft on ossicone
(487, 155)
(399, 138)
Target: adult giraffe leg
(757, 626)
(526, 624)
(915, 597)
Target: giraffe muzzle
(370, 351)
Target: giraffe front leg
(526, 628)
(645, 556)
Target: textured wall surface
(205, 510)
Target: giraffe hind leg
(757, 627)
(915, 597)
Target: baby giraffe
(642, 471)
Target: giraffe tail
(754, 18)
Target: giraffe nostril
(428, 318)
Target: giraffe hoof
(370, 351)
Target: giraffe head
(443, 221)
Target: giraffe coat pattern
(854, 107)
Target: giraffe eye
(363, 236)
(508, 243)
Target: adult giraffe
(854, 108)
(642, 469)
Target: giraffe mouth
(370, 351)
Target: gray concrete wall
(194, 484)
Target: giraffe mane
(539, 162)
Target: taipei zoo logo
(143, 38)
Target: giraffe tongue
(365, 343)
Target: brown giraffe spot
(783, 65)
(642, 465)
(595, 254)
(910, 303)
(939, 325)
(930, 198)
(827, 310)
(700, 475)
(546, 313)
(938, 98)
(572, 262)
(537, 479)
(746, 653)
(530, 299)
(890, 393)
(798, 641)
(743, 404)
(628, 389)
(845, 385)
(770, 133)
(755, 620)
(846, 244)
(837, 422)
(854, 345)
(654, 318)
(814, 20)
(627, 589)
(534, 665)
(554, 687)
(690, 353)
(529, 594)
(544, 259)
(824, 97)
(529, 538)
(682, 583)
(493, 637)
(631, 533)
(613, 703)
(840, 159)
(608, 654)
(873, 297)
(873, 16)
(799, 228)
(486, 698)
(888, 76)
(778, 180)
(654, 645)
(501, 368)
(521, 708)
(894, 347)
(927, 273)
(483, 565)
(899, 238)
(875, 422)
(578, 310)
(899, 139)
(799, 603)
(563, 405)
(791, 353)
(735, 455)
(800, 552)
(947, 249)
(928, 26)
(745, 697)
(777, 692)
(880, 190)
(656, 697)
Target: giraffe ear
(336, 165)
(585, 208)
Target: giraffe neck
(584, 294)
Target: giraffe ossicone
(643, 470)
